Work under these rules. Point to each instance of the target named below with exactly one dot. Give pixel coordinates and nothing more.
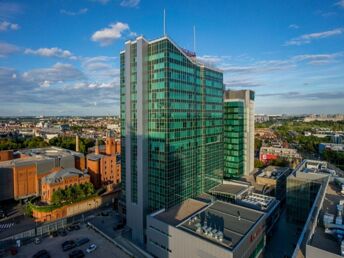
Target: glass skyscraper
(238, 133)
(171, 127)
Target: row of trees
(66, 142)
(73, 193)
(21, 143)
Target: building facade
(238, 133)
(61, 179)
(171, 127)
(104, 165)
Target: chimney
(96, 150)
(77, 147)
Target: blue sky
(61, 57)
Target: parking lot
(53, 245)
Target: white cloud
(5, 25)
(307, 38)
(71, 13)
(130, 3)
(7, 49)
(50, 52)
(340, 3)
(101, 1)
(56, 73)
(293, 26)
(209, 59)
(108, 35)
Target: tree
(258, 163)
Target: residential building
(238, 133)
(61, 179)
(171, 127)
(267, 154)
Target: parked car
(76, 254)
(82, 241)
(76, 227)
(41, 254)
(68, 246)
(91, 248)
(62, 232)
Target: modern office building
(303, 186)
(238, 133)
(171, 127)
(199, 229)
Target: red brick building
(61, 180)
(104, 167)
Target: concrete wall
(6, 183)
(313, 252)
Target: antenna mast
(194, 38)
(164, 22)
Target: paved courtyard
(53, 245)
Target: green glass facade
(234, 138)
(185, 125)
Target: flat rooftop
(314, 167)
(228, 220)
(273, 172)
(180, 212)
(229, 187)
(321, 239)
(37, 154)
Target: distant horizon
(47, 116)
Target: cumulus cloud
(71, 13)
(114, 32)
(242, 83)
(50, 52)
(308, 38)
(130, 3)
(5, 26)
(7, 49)
(309, 96)
(340, 3)
(59, 72)
(293, 26)
(101, 1)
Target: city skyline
(62, 58)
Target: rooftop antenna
(164, 22)
(194, 38)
